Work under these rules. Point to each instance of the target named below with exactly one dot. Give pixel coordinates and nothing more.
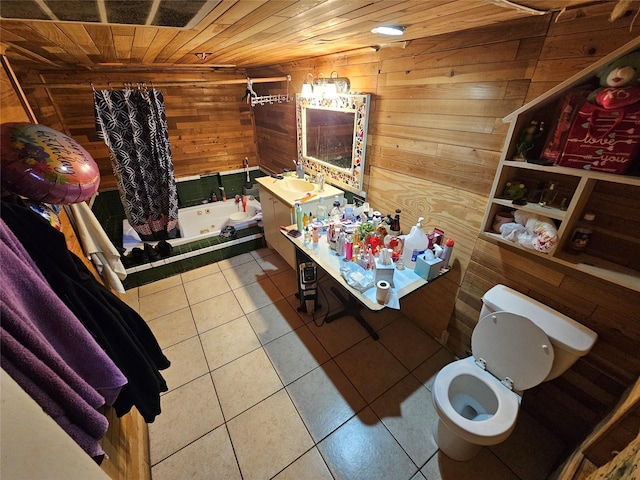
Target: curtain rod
(236, 81)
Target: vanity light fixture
(307, 87)
(331, 87)
(390, 30)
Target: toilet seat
(512, 346)
(509, 353)
(490, 431)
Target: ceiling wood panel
(250, 34)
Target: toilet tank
(570, 340)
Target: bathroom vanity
(278, 196)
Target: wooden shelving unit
(580, 191)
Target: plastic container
(348, 248)
(582, 234)
(321, 210)
(342, 240)
(446, 253)
(414, 245)
(336, 211)
(299, 170)
(299, 223)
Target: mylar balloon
(45, 165)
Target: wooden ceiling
(234, 33)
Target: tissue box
(427, 269)
(384, 272)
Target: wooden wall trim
(17, 89)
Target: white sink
(296, 185)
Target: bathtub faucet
(224, 195)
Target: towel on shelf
(97, 245)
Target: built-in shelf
(589, 264)
(575, 172)
(614, 198)
(550, 212)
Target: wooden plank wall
(210, 128)
(435, 136)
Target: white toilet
(517, 344)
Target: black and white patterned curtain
(133, 124)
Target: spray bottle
(414, 245)
(299, 224)
(446, 253)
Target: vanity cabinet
(613, 252)
(274, 214)
(277, 210)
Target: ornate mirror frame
(350, 179)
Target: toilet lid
(512, 346)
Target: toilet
(517, 344)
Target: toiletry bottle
(299, 170)
(299, 223)
(348, 214)
(336, 211)
(395, 224)
(362, 259)
(315, 236)
(307, 236)
(582, 233)
(446, 253)
(331, 233)
(548, 194)
(348, 248)
(376, 218)
(305, 219)
(414, 245)
(321, 210)
(341, 242)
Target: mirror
(332, 135)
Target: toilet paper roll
(382, 292)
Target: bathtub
(202, 221)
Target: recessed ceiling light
(395, 31)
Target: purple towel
(42, 317)
(68, 407)
(49, 353)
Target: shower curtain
(133, 124)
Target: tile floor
(259, 391)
